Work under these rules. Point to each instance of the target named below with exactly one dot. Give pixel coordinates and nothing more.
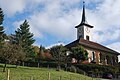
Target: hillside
(28, 73)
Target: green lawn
(28, 73)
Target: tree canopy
(79, 53)
(58, 51)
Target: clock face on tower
(79, 30)
(87, 30)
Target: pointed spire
(83, 21)
(83, 14)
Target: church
(97, 53)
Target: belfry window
(87, 37)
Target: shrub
(97, 69)
(73, 69)
(80, 71)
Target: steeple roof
(84, 21)
(83, 14)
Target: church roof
(84, 21)
(91, 44)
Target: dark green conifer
(1, 27)
(23, 37)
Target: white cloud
(11, 7)
(93, 1)
(56, 44)
(62, 16)
(106, 19)
(58, 17)
(115, 46)
(57, 26)
(55, 19)
(104, 36)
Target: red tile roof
(91, 44)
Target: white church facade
(97, 53)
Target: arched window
(113, 60)
(87, 37)
(100, 57)
(107, 60)
(116, 59)
(93, 56)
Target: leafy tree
(58, 54)
(43, 54)
(10, 53)
(79, 53)
(23, 38)
(36, 49)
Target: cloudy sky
(54, 21)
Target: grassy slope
(25, 73)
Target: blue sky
(54, 21)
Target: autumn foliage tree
(43, 54)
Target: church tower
(84, 29)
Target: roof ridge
(93, 44)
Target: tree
(36, 49)
(23, 38)
(79, 53)
(1, 27)
(10, 53)
(43, 53)
(58, 54)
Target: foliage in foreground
(26, 73)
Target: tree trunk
(23, 63)
(17, 63)
(4, 69)
(58, 67)
(38, 64)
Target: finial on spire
(83, 2)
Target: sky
(53, 21)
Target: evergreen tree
(23, 37)
(1, 27)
